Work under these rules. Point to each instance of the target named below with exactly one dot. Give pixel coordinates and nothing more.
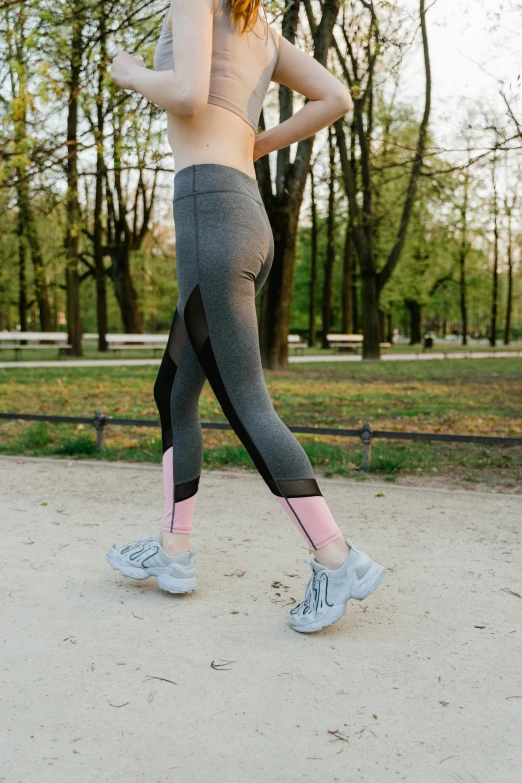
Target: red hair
(245, 11)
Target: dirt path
(420, 683)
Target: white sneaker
(146, 557)
(328, 591)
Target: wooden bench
(131, 342)
(350, 342)
(11, 341)
(118, 348)
(156, 342)
(340, 342)
(294, 341)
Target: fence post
(366, 439)
(99, 422)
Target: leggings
(224, 252)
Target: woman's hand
(259, 151)
(124, 66)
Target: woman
(212, 66)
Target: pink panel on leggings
(184, 509)
(315, 517)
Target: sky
(474, 53)
(474, 47)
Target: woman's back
(241, 69)
(213, 96)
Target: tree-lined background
(380, 225)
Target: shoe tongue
(157, 537)
(318, 566)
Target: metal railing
(366, 433)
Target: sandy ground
(421, 682)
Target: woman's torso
(223, 132)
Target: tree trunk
(415, 321)
(101, 291)
(283, 206)
(462, 261)
(125, 292)
(33, 242)
(389, 328)
(330, 247)
(370, 317)
(362, 213)
(73, 227)
(355, 299)
(22, 282)
(120, 243)
(313, 271)
(347, 288)
(509, 304)
(275, 304)
(27, 230)
(382, 327)
(354, 257)
(494, 292)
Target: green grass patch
(457, 396)
(82, 446)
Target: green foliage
(36, 49)
(82, 446)
(36, 437)
(457, 396)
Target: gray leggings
(224, 252)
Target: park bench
(294, 341)
(11, 341)
(157, 342)
(131, 342)
(344, 341)
(349, 342)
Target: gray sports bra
(242, 63)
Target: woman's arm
(185, 90)
(329, 99)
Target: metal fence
(366, 433)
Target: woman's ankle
(333, 555)
(175, 544)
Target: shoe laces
(144, 543)
(316, 592)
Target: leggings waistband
(214, 178)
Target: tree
(494, 287)
(463, 254)
(19, 42)
(349, 307)
(76, 23)
(510, 206)
(313, 269)
(101, 174)
(283, 204)
(330, 246)
(362, 86)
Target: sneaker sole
(165, 582)
(334, 614)
(370, 583)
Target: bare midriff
(214, 135)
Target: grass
(459, 396)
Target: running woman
(213, 63)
